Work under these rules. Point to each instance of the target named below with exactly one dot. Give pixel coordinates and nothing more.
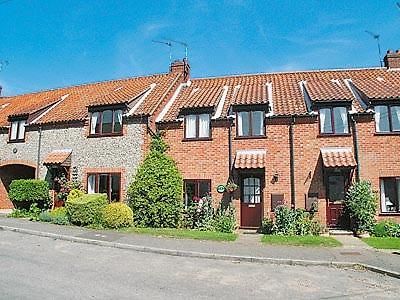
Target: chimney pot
(392, 59)
(181, 66)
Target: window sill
(387, 133)
(104, 135)
(250, 137)
(16, 141)
(325, 135)
(197, 139)
(394, 213)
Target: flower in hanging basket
(231, 186)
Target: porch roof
(59, 157)
(250, 159)
(338, 157)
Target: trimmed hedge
(117, 215)
(24, 192)
(86, 209)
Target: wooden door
(251, 201)
(337, 184)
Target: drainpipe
(355, 144)
(38, 152)
(292, 184)
(230, 147)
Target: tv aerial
(167, 43)
(184, 44)
(376, 37)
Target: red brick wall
(209, 159)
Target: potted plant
(231, 186)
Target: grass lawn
(383, 242)
(183, 233)
(294, 240)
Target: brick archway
(9, 171)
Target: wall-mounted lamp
(275, 177)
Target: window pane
(190, 190)
(118, 121)
(204, 125)
(243, 123)
(395, 111)
(115, 187)
(381, 118)
(325, 120)
(91, 188)
(340, 120)
(21, 130)
(257, 122)
(204, 188)
(107, 121)
(103, 184)
(190, 126)
(390, 201)
(14, 130)
(94, 123)
(336, 188)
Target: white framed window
(390, 194)
(106, 122)
(197, 126)
(250, 123)
(333, 120)
(17, 131)
(387, 118)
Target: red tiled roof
(58, 157)
(250, 159)
(287, 95)
(328, 90)
(74, 107)
(334, 157)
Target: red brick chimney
(392, 59)
(181, 66)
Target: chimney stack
(181, 66)
(392, 59)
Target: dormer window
(106, 122)
(197, 126)
(333, 120)
(250, 123)
(17, 130)
(387, 118)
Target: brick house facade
(296, 157)
(293, 138)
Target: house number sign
(221, 188)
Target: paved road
(41, 268)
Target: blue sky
(53, 43)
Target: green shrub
(45, 216)
(24, 192)
(87, 209)
(361, 206)
(155, 194)
(75, 193)
(19, 213)
(199, 215)
(117, 215)
(59, 216)
(294, 222)
(224, 220)
(387, 228)
(267, 226)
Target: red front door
(251, 202)
(337, 184)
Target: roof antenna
(376, 37)
(184, 44)
(169, 44)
